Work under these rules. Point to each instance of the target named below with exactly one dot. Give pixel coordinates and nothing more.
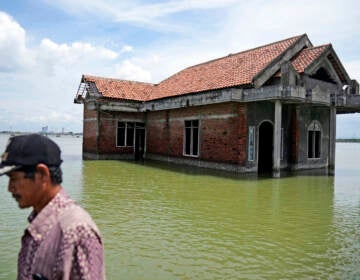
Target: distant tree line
(348, 140)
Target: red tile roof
(307, 56)
(233, 70)
(121, 89)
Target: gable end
(263, 76)
(329, 61)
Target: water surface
(170, 222)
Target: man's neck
(46, 198)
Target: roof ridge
(117, 80)
(317, 47)
(245, 51)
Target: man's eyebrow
(11, 175)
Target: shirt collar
(42, 222)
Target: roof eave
(108, 98)
(244, 86)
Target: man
(61, 241)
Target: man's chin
(22, 205)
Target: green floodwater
(161, 221)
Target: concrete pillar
(277, 139)
(98, 116)
(332, 140)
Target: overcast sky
(46, 45)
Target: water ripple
(166, 222)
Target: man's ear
(43, 171)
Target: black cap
(29, 150)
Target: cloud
(127, 70)
(126, 49)
(13, 52)
(237, 26)
(38, 82)
(51, 55)
(76, 50)
(131, 10)
(15, 55)
(257, 22)
(156, 16)
(248, 24)
(140, 12)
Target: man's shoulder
(75, 218)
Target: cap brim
(8, 168)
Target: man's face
(24, 190)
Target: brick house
(266, 109)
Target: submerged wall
(223, 134)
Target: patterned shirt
(61, 242)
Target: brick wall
(223, 132)
(223, 138)
(223, 129)
(89, 130)
(107, 122)
(157, 133)
(107, 139)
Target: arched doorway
(266, 144)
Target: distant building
(44, 130)
(265, 109)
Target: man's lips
(16, 196)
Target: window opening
(314, 140)
(191, 145)
(126, 134)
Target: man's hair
(55, 173)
